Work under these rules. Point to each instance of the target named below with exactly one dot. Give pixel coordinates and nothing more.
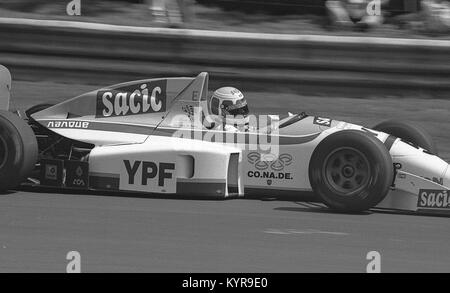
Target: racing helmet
(228, 105)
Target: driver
(228, 110)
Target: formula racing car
(143, 136)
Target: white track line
(226, 34)
(303, 232)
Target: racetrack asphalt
(135, 234)
(129, 234)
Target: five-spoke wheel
(351, 171)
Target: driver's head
(229, 105)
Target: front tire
(18, 150)
(351, 171)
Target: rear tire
(18, 150)
(351, 171)
(409, 132)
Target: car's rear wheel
(18, 150)
(408, 132)
(351, 171)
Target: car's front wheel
(351, 171)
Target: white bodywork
(422, 182)
(186, 162)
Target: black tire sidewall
(380, 165)
(10, 172)
(22, 150)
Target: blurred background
(357, 60)
(396, 17)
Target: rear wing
(5, 87)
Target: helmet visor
(239, 111)
(240, 108)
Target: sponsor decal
(51, 172)
(77, 174)
(269, 174)
(270, 168)
(68, 124)
(322, 121)
(145, 98)
(149, 170)
(276, 164)
(434, 199)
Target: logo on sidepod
(149, 170)
(322, 121)
(68, 124)
(137, 99)
(429, 198)
(271, 168)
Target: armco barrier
(101, 54)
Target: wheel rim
(347, 170)
(3, 152)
